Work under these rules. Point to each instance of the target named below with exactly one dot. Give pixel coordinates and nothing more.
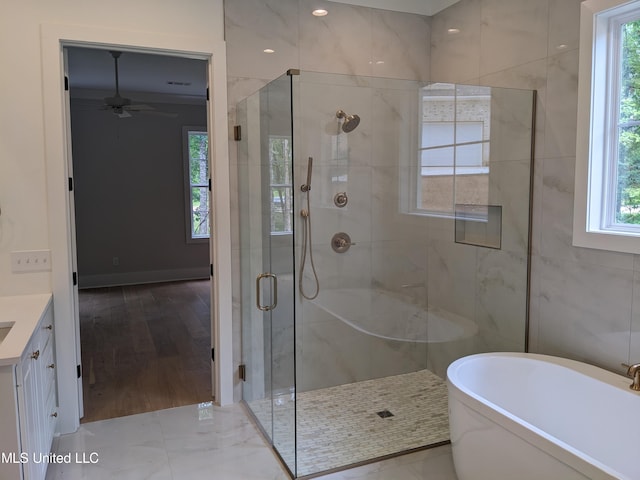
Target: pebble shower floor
(357, 422)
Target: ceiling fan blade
(138, 108)
(158, 114)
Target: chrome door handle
(266, 308)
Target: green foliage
(628, 173)
(280, 157)
(199, 176)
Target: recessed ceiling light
(320, 12)
(562, 46)
(269, 50)
(453, 31)
(379, 62)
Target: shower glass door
(266, 257)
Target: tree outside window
(628, 163)
(280, 156)
(198, 172)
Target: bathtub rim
(533, 435)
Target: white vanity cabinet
(28, 392)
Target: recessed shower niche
(331, 339)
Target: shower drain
(384, 414)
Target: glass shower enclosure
(384, 230)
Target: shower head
(350, 121)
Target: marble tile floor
(340, 425)
(206, 442)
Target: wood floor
(145, 347)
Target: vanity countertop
(25, 311)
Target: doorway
(141, 230)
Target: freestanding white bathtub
(527, 416)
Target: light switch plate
(31, 261)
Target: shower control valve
(341, 242)
(340, 199)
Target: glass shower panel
(265, 155)
(412, 225)
(369, 320)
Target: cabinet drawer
(50, 417)
(48, 368)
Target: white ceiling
(92, 74)
(421, 7)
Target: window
(196, 160)
(280, 157)
(607, 188)
(453, 152)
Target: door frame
(54, 37)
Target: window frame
(597, 137)
(186, 160)
(415, 193)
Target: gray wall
(129, 191)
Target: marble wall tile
(557, 219)
(561, 105)
(238, 89)
(394, 132)
(511, 124)
(389, 357)
(333, 354)
(339, 42)
(564, 30)
(400, 45)
(326, 218)
(451, 273)
(534, 304)
(455, 57)
(512, 33)
(254, 25)
(390, 221)
(318, 130)
(401, 262)
(351, 269)
(585, 311)
(536, 214)
(530, 76)
(501, 294)
(509, 187)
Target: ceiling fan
(119, 105)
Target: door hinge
(209, 184)
(70, 184)
(79, 371)
(66, 83)
(237, 133)
(213, 354)
(211, 269)
(242, 372)
(75, 279)
(207, 94)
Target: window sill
(605, 240)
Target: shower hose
(306, 244)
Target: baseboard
(134, 278)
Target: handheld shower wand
(305, 187)
(306, 238)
